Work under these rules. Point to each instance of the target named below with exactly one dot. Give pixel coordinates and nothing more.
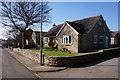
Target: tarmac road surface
(11, 68)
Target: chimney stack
(54, 25)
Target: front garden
(62, 58)
(54, 52)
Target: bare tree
(19, 16)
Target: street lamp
(41, 36)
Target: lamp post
(41, 36)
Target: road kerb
(32, 69)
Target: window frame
(45, 39)
(101, 37)
(66, 36)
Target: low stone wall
(67, 60)
(31, 54)
(79, 59)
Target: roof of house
(113, 33)
(54, 30)
(38, 33)
(82, 26)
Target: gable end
(64, 26)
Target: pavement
(106, 69)
(32, 65)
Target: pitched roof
(78, 27)
(38, 33)
(54, 30)
(87, 23)
(113, 33)
(81, 26)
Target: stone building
(115, 38)
(82, 35)
(32, 38)
(36, 37)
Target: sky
(70, 11)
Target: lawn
(59, 53)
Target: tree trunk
(23, 40)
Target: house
(36, 37)
(115, 38)
(50, 38)
(82, 35)
(28, 37)
(32, 38)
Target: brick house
(115, 38)
(82, 35)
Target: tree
(19, 16)
(11, 36)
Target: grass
(59, 53)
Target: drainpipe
(104, 37)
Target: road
(11, 68)
(100, 69)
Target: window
(46, 39)
(95, 39)
(101, 39)
(70, 39)
(67, 39)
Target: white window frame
(101, 37)
(64, 39)
(95, 39)
(45, 39)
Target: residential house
(32, 38)
(115, 38)
(87, 34)
(36, 37)
(50, 38)
(28, 37)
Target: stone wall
(67, 60)
(79, 59)
(31, 54)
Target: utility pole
(41, 36)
